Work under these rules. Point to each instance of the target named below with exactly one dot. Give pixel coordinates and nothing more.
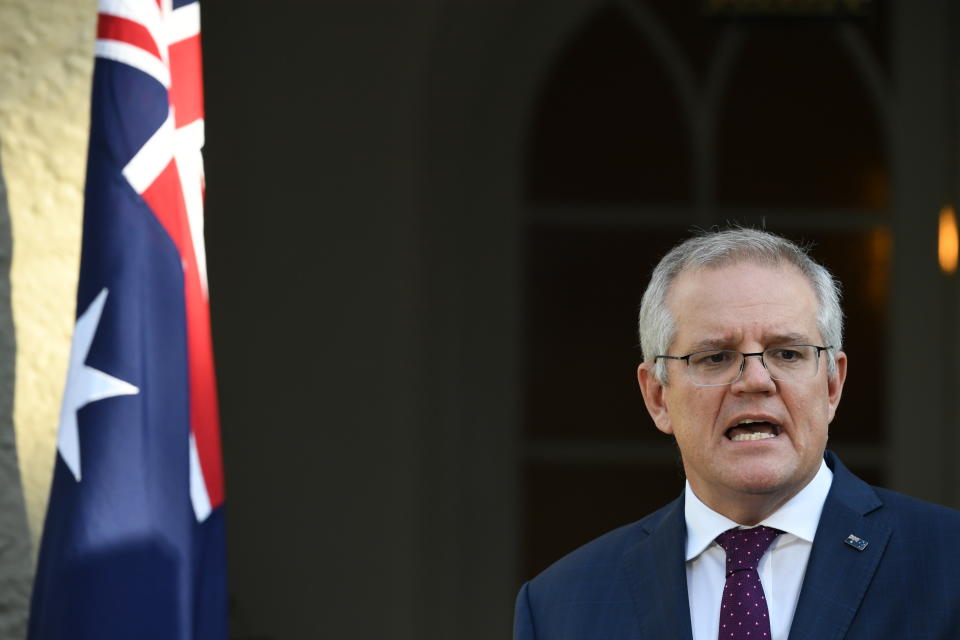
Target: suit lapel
(658, 580)
(838, 574)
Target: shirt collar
(799, 515)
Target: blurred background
(429, 226)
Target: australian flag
(133, 545)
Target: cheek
(811, 413)
(693, 415)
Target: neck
(748, 510)
(744, 508)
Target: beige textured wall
(46, 61)
(15, 565)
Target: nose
(754, 377)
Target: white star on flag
(84, 384)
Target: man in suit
(772, 538)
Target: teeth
(749, 421)
(752, 436)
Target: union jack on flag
(133, 544)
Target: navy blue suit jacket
(631, 582)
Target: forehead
(743, 301)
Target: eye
(787, 354)
(711, 359)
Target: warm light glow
(948, 244)
(878, 252)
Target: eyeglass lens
(717, 367)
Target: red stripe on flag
(110, 27)
(165, 198)
(204, 410)
(186, 80)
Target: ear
(653, 396)
(835, 384)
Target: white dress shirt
(781, 568)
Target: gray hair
(732, 246)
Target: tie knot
(745, 547)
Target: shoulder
(898, 510)
(913, 507)
(912, 515)
(590, 592)
(927, 529)
(604, 555)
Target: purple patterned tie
(743, 609)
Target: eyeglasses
(719, 367)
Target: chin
(762, 489)
(762, 480)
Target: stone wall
(46, 61)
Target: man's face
(746, 307)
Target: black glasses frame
(743, 361)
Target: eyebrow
(775, 339)
(788, 338)
(711, 343)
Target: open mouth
(750, 429)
